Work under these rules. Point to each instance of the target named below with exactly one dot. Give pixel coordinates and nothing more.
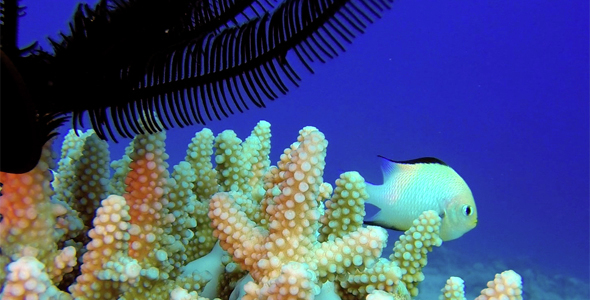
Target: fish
(413, 186)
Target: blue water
(498, 90)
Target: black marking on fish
(422, 160)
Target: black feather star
(141, 66)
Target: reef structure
(223, 223)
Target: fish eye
(467, 210)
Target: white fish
(414, 186)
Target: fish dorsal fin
(390, 167)
(421, 160)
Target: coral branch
(287, 233)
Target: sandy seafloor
(498, 90)
(538, 282)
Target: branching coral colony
(238, 228)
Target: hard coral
(289, 234)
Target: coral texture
(29, 220)
(287, 233)
(453, 290)
(290, 243)
(505, 286)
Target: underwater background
(499, 90)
